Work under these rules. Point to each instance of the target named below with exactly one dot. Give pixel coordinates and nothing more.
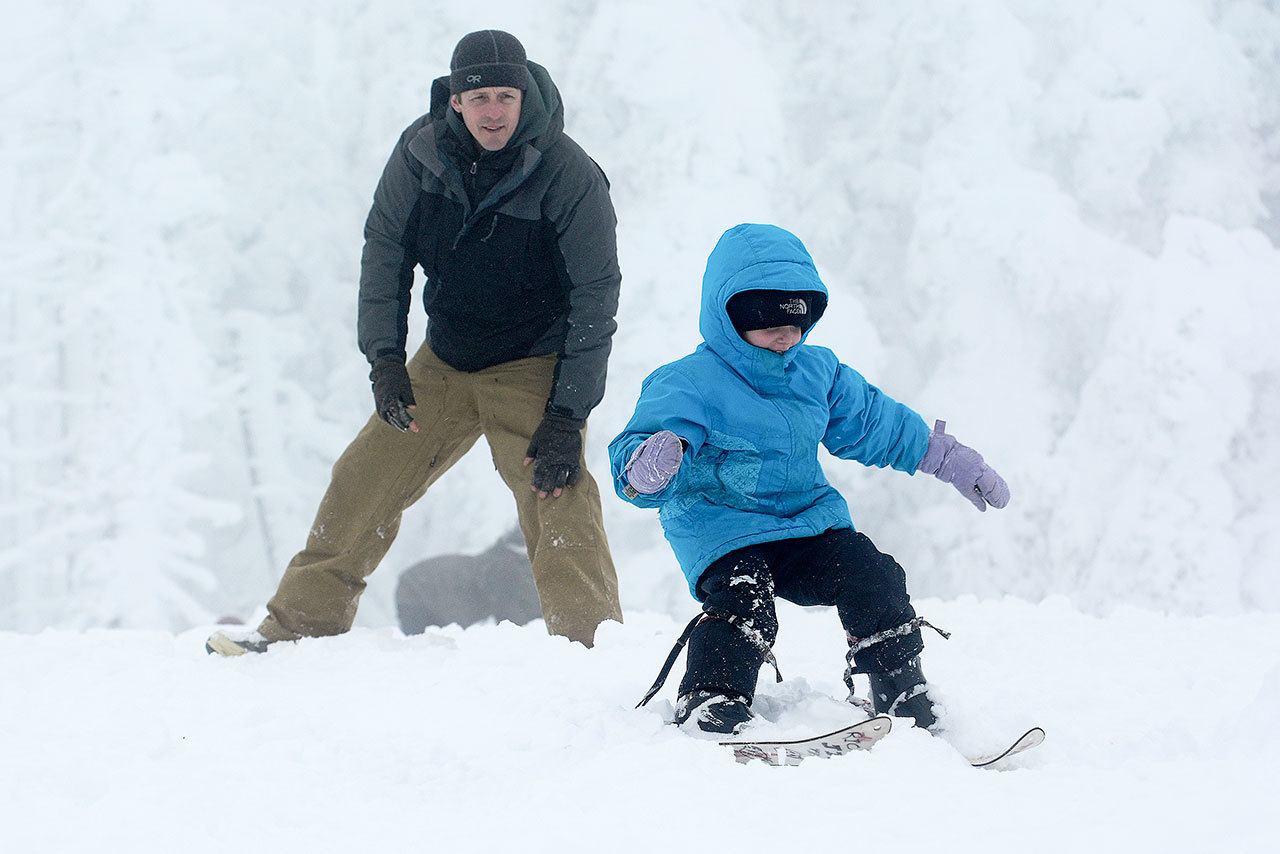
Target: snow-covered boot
(903, 693)
(236, 643)
(712, 712)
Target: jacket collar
(442, 140)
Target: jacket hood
(754, 257)
(541, 111)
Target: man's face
(779, 339)
(491, 114)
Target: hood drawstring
(492, 227)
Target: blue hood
(752, 257)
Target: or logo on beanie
(473, 78)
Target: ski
(859, 736)
(1029, 739)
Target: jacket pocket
(727, 476)
(499, 248)
(738, 473)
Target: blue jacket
(753, 418)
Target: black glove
(555, 451)
(392, 393)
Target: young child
(724, 442)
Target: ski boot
(903, 693)
(236, 643)
(712, 712)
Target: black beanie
(488, 58)
(750, 310)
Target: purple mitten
(654, 463)
(963, 467)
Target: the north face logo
(795, 306)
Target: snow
(1055, 226)
(1161, 736)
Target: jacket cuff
(565, 422)
(383, 356)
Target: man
(512, 224)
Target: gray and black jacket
(529, 269)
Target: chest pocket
(726, 472)
(499, 246)
(439, 222)
(499, 265)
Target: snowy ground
(499, 738)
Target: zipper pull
(473, 168)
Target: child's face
(779, 339)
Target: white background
(1053, 225)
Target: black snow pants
(838, 567)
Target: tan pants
(384, 471)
